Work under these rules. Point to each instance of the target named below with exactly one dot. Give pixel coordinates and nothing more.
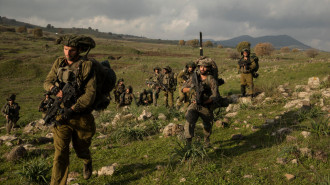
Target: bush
(264, 49)
(233, 54)
(220, 46)
(285, 50)
(182, 42)
(193, 43)
(295, 50)
(37, 32)
(21, 29)
(312, 53)
(36, 171)
(208, 44)
(244, 44)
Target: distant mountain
(277, 41)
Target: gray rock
(233, 98)
(326, 93)
(314, 82)
(161, 116)
(305, 152)
(8, 138)
(232, 108)
(16, 153)
(172, 129)
(261, 96)
(289, 176)
(230, 115)
(280, 160)
(305, 134)
(245, 100)
(107, 170)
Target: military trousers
(155, 95)
(247, 82)
(168, 98)
(80, 130)
(192, 115)
(183, 98)
(10, 124)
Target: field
(143, 155)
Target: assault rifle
(198, 87)
(69, 92)
(157, 84)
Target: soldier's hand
(7, 117)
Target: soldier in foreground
(76, 124)
(127, 98)
(45, 104)
(156, 86)
(11, 112)
(145, 97)
(182, 78)
(168, 80)
(204, 93)
(119, 89)
(245, 68)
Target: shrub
(233, 54)
(295, 50)
(192, 43)
(285, 49)
(264, 49)
(312, 53)
(37, 32)
(182, 42)
(220, 46)
(21, 29)
(36, 171)
(192, 153)
(244, 44)
(208, 44)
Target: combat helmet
(191, 64)
(130, 88)
(204, 61)
(12, 97)
(120, 80)
(83, 43)
(157, 68)
(168, 68)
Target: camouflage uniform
(182, 78)
(80, 127)
(245, 68)
(169, 82)
(119, 89)
(127, 98)
(145, 97)
(45, 104)
(204, 111)
(12, 111)
(155, 88)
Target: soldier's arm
(180, 77)
(253, 65)
(3, 110)
(52, 75)
(214, 89)
(86, 99)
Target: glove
(67, 114)
(55, 90)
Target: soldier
(11, 111)
(156, 85)
(127, 97)
(169, 82)
(208, 96)
(45, 104)
(145, 97)
(183, 76)
(245, 68)
(77, 122)
(119, 89)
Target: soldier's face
(245, 54)
(190, 69)
(127, 90)
(70, 53)
(10, 102)
(203, 69)
(121, 83)
(156, 71)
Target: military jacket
(246, 66)
(11, 110)
(45, 104)
(119, 89)
(126, 98)
(81, 71)
(169, 81)
(210, 89)
(183, 77)
(147, 96)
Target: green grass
(144, 157)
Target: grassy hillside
(142, 154)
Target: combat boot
(243, 92)
(88, 170)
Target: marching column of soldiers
(197, 87)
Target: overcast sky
(305, 20)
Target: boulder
(260, 96)
(305, 152)
(145, 115)
(8, 138)
(16, 153)
(245, 100)
(314, 82)
(35, 126)
(297, 104)
(305, 134)
(172, 129)
(326, 93)
(289, 176)
(230, 115)
(232, 108)
(107, 170)
(233, 98)
(161, 116)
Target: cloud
(306, 20)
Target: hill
(277, 41)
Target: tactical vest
(12, 111)
(69, 73)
